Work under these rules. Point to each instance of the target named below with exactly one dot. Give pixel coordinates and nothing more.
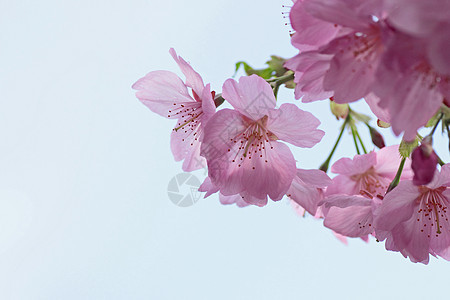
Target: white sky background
(84, 167)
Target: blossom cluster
(394, 59)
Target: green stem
(324, 166)
(280, 80)
(435, 125)
(354, 139)
(360, 140)
(396, 180)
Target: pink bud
(424, 161)
(377, 138)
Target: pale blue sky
(84, 167)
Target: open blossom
(367, 174)
(167, 95)
(358, 190)
(242, 147)
(344, 63)
(396, 50)
(414, 220)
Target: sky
(85, 167)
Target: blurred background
(85, 167)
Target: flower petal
(252, 96)
(160, 90)
(358, 165)
(293, 125)
(193, 79)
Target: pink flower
(367, 174)
(357, 191)
(167, 95)
(241, 146)
(414, 219)
(348, 56)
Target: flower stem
(352, 127)
(324, 166)
(360, 140)
(280, 80)
(396, 180)
(435, 125)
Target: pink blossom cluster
(393, 53)
(348, 50)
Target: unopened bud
(424, 162)
(339, 110)
(377, 138)
(383, 124)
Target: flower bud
(339, 110)
(377, 138)
(383, 124)
(424, 161)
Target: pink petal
(193, 79)
(208, 187)
(252, 96)
(352, 221)
(381, 113)
(343, 201)
(234, 199)
(402, 85)
(397, 207)
(388, 161)
(342, 184)
(358, 165)
(305, 195)
(208, 106)
(352, 69)
(438, 52)
(159, 90)
(342, 12)
(310, 32)
(441, 178)
(250, 199)
(295, 126)
(316, 178)
(310, 69)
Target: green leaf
(276, 64)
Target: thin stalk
(280, 80)
(354, 139)
(360, 140)
(396, 180)
(435, 125)
(324, 166)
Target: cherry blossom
(414, 219)
(164, 93)
(241, 146)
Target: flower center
(370, 183)
(252, 142)
(432, 210)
